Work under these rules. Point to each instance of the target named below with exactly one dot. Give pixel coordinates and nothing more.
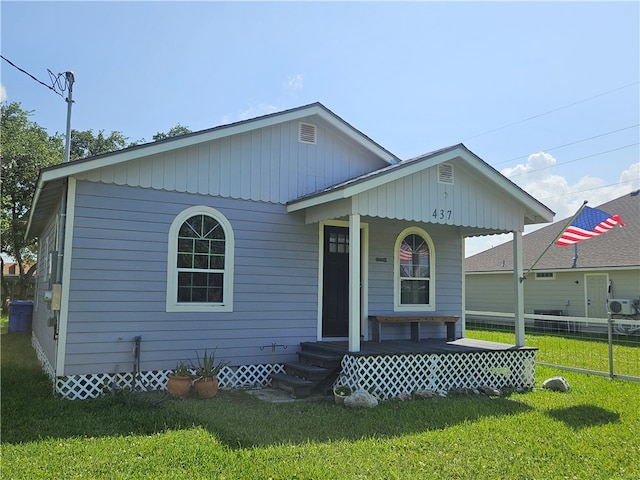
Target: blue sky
(546, 92)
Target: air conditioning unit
(622, 306)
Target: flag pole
(524, 277)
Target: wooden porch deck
(408, 347)
(392, 367)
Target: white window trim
(397, 306)
(172, 271)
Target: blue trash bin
(20, 316)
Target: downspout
(60, 239)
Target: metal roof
(51, 180)
(536, 211)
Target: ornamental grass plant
(590, 432)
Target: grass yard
(593, 431)
(580, 352)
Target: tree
(25, 148)
(173, 132)
(85, 144)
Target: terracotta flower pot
(206, 387)
(178, 386)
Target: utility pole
(67, 147)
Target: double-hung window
(414, 271)
(200, 262)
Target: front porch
(392, 367)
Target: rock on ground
(424, 394)
(360, 399)
(556, 384)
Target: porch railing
(592, 345)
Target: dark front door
(335, 285)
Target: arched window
(414, 271)
(200, 262)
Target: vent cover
(307, 133)
(445, 173)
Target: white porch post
(354, 283)
(518, 288)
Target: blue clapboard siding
(119, 271)
(120, 238)
(118, 282)
(41, 313)
(448, 248)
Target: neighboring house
(569, 281)
(10, 284)
(238, 237)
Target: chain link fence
(609, 347)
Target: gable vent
(307, 133)
(445, 173)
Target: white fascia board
(541, 214)
(318, 200)
(34, 202)
(73, 168)
(532, 206)
(376, 181)
(358, 137)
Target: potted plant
(179, 381)
(340, 392)
(206, 381)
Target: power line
(55, 81)
(574, 160)
(552, 111)
(571, 143)
(589, 189)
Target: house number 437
(442, 214)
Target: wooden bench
(415, 321)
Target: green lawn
(590, 432)
(581, 351)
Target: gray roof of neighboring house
(619, 247)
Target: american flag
(591, 222)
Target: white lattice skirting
(82, 387)
(389, 375)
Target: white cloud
(632, 176)
(294, 84)
(258, 110)
(3, 93)
(536, 178)
(252, 111)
